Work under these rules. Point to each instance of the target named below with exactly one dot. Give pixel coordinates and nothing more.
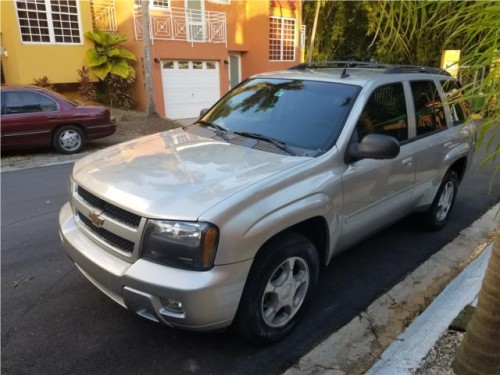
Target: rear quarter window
(429, 113)
(459, 107)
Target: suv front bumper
(205, 300)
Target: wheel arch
(315, 229)
(459, 166)
(249, 320)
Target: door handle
(407, 161)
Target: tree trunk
(479, 352)
(313, 32)
(148, 60)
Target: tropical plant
(477, 26)
(44, 82)
(479, 352)
(86, 88)
(352, 30)
(341, 29)
(120, 91)
(108, 57)
(110, 63)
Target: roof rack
(388, 68)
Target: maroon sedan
(33, 116)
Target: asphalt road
(55, 322)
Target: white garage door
(189, 86)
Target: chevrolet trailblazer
(226, 221)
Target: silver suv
(227, 221)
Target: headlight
(181, 244)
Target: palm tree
(148, 71)
(477, 26)
(313, 33)
(479, 352)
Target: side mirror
(203, 112)
(374, 146)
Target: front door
(234, 70)
(379, 191)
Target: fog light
(172, 305)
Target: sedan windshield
(298, 113)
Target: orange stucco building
(200, 48)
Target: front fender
(238, 245)
(251, 218)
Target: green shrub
(44, 82)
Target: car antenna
(344, 73)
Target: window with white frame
(154, 3)
(281, 39)
(49, 21)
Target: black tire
(289, 265)
(437, 214)
(68, 139)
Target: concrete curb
(410, 348)
(355, 347)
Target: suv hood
(176, 174)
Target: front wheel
(438, 213)
(69, 139)
(278, 289)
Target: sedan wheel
(69, 140)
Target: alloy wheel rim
(70, 140)
(445, 201)
(285, 292)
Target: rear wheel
(437, 215)
(69, 139)
(278, 289)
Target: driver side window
(385, 113)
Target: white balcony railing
(103, 15)
(184, 25)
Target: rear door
(433, 139)
(27, 119)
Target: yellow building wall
(25, 61)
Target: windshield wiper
(279, 144)
(221, 131)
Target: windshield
(299, 113)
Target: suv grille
(110, 210)
(113, 239)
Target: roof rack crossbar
(389, 68)
(335, 64)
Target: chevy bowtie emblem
(95, 217)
